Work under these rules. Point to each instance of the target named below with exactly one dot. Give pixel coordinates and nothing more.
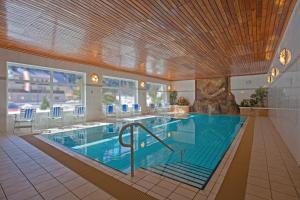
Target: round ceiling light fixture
(285, 56)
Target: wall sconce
(275, 72)
(169, 87)
(270, 79)
(285, 56)
(142, 84)
(94, 78)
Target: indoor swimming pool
(199, 142)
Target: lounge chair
(136, 109)
(25, 119)
(110, 111)
(56, 114)
(124, 110)
(79, 112)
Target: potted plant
(182, 105)
(254, 106)
(258, 99)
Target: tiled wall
(185, 89)
(284, 92)
(243, 86)
(93, 91)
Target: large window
(157, 94)
(41, 88)
(119, 91)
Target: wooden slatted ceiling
(168, 39)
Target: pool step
(187, 173)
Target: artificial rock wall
(213, 96)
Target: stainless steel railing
(131, 144)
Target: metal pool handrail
(131, 146)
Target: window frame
(164, 91)
(119, 88)
(51, 84)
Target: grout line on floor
(48, 172)
(281, 155)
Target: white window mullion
(83, 91)
(51, 89)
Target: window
(67, 89)
(157, 94)
(119, 91)
(40, 88)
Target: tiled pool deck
(274, 173)
(28, 173)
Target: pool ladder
(131, 145)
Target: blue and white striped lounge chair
(136, 109)
(25, 119)
(79, 111)
(110, 111)
(56, 113)
(124, 110)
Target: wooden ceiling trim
(215, 33)
(281, 24)
(171, 39)
(45, 54)
(160, 12)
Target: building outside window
(157, 94)
(119, 91)
(41, 88)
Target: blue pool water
(199, 140)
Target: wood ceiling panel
(168, 39)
